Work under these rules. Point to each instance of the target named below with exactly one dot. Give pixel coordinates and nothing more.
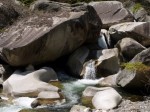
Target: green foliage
(136, 7)
(135, 66)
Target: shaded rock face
(45, 37)
(7, 14)
(129, 48)
(106, 99)
(29, 83)
(76, 61)
(108, 62)
(111, 12)
(5, 71)
(139, 31)
(143, 57)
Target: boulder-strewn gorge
(90, 56)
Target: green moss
(57, 84)
(87, 101)
(136, 7)
(136, 66)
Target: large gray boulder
(76, 61)
(30, 83)
(107, 99)
(136, 73)
(7, 14)
(45, 37)
(129, 48)
(108, 62)
(112, 12)
(138, 31)
(135, 79)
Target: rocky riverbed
(82, 57)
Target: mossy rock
(138, 66)
(87, 101)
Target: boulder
(48, 98)
(143, 57)
(79, 108)
(112, 12)
(109, 81)
(138, 31)
(134, 77)
(108, 62)
(129, 48)
(7, 14)
(30, 83)
(137, 10)
(76, 61)
(106, 99)
(43, 37)
(136, 73)
(91, 91)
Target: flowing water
(72, 89)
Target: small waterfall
(90, 71)
(102, 42)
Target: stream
(72, 90)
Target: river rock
(112, 12)
(76, 61)
(129, 48)
(109, 81)
(138, 31)
(134, 79)
(43, 37)
(30, 83)
(7, 14)
(143, 57)
(106, 99)
(108, 62)
(48, 98)
(79, 108)
(91, 91)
